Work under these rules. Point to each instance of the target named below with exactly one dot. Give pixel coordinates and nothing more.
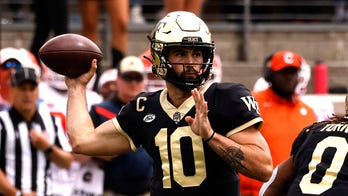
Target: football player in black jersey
(199, 134)
(318, 164)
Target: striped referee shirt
(26, 167)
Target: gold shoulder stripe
(246, 125)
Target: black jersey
(320, 156)
(183, 163)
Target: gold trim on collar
(177, 113)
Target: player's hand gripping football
(200, 124)
(84, 78)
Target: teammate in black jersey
(198, 134)
(318, 164)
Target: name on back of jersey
(335, 127)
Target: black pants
(50, 15)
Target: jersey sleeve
(233, 108)
(129, 120)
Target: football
(69, 54)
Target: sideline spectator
(322, 106)
(118, 12)
(12, 59)
(194, 6)
(107, 83)
(50, 16)
(283, 112)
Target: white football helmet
(23, 56)
(153, 83)
(304, 77)
(53, 79)
(182, 29)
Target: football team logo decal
(149, 118)
(177, 117)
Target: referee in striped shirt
(30, 139)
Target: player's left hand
(200, 124)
